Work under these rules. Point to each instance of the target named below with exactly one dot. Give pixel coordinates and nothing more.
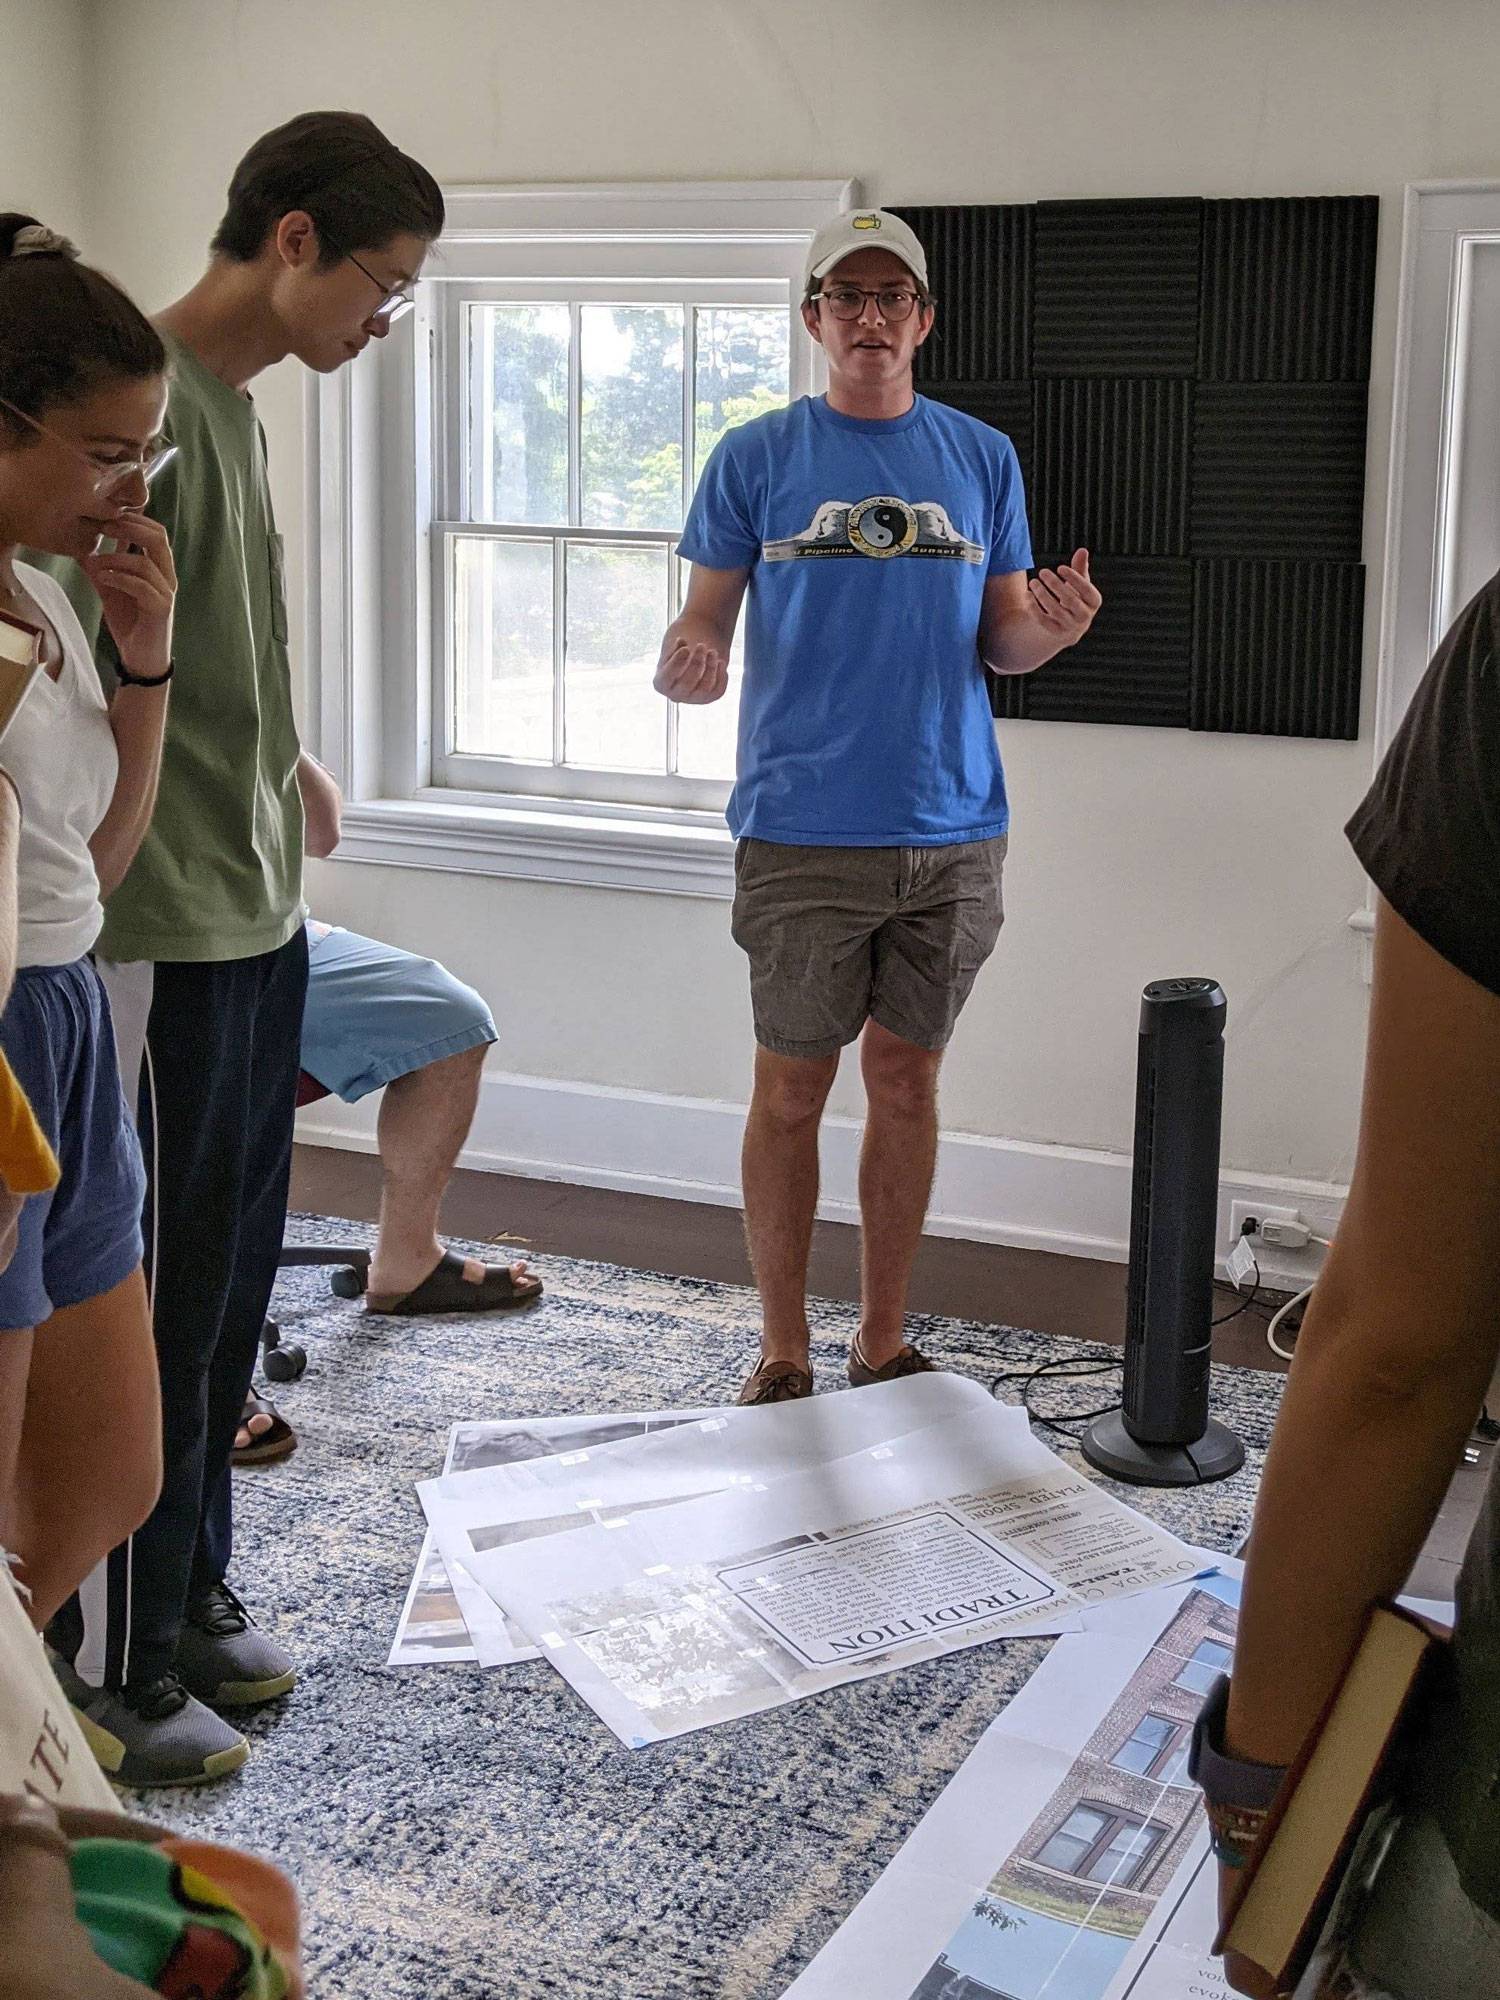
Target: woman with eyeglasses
(83, 392)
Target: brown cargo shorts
(837, 936)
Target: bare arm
(10, 838)
(322, 807)
(1394, 1356)
(694, 662)
(137, 585)
(1024, 624)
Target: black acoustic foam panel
(1185, 383)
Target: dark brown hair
(65, 329)
(339, 168)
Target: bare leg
(896, 1167)
(424, 1120)
(75, 1500)
(15, 1364)
(780, 1173)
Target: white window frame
(1446, 385)
(375, 436)
(1446, 381)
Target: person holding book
(83, 392)
(1395, 1355)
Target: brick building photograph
(1063, 1909)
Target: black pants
(216, 1105)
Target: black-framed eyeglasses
(895, 302)
(111, 475)
(393, 305)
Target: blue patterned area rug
(463, 1835)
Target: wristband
(127, 679)
(1238, 1794)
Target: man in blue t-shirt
(883, 542)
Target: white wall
(1136, 852)
(42, 127)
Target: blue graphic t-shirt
(865, 714)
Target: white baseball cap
(863, 229)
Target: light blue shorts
(375, 1013)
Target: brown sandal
(447, 1288)
(265, 1447)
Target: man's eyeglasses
(895, 302)
(111, 474)
(392, 304)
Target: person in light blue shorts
(381, 1018)
(378, 1018)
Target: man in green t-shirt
(204, 951)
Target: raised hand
(1066, 599)
(691, 672)
(137, 585)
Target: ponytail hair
(65, 329)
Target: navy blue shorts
(84, 1237)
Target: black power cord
(1071, 1368)
(1068, 1368)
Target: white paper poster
(473, 1511)
(444, 1608)
(949, 1536)
(1068, 1858)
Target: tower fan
(1162, 1435)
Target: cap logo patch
(866, 222)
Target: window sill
(689, 854)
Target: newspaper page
(473, 1510)
(950, 1536)
(444, 1607)
(1068, 1859)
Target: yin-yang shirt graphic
(879, 526)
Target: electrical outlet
(1240, 1212)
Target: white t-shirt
(60, 750)
(42, 1748)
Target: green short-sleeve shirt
(219, 873)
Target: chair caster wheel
(346, 1282)
(285, 1364)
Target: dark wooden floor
(1074, 1296)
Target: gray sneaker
(153, 1733)
(223, 1656)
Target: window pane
(1210, 1659)
(617, 611)
(1073, 1839)
(1151, 1737)
(707, 736)
(1175, 1770)
(630, 423)
(741, 370)
(518, 442)
(1122, 1860)
(502, 648)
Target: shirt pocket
(276, 567)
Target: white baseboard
(1065, 1199)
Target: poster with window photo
(443, 1607)
(1068, 1858)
